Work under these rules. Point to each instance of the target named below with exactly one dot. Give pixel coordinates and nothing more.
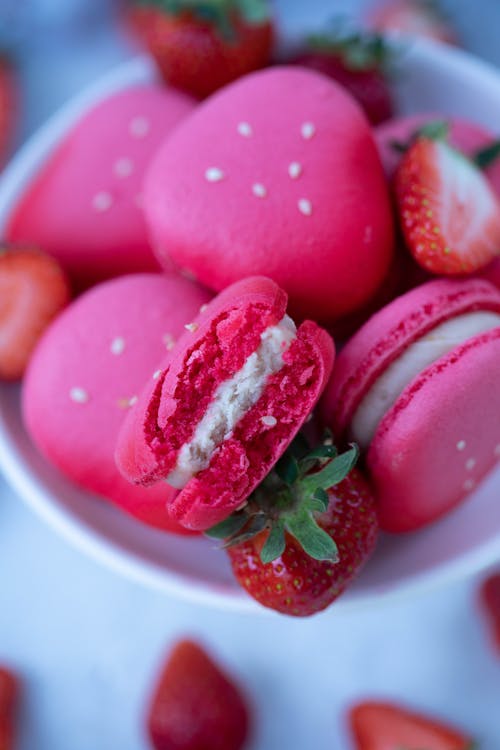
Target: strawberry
(449, 213)
(33, 289)
(358, 61)
(8, 699)
(7, 107)
(489, 594)
(386, 726)
(195, 706)
(305, 532)
(201, 45)
(415, 17)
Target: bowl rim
(97, 545)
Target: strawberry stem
(436, 130)
(359, 51)
(289, 499)
(485, 157)
(220, 13)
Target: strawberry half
(386, 726)
(449, 214)
(33, 289)
(9, 690)
(306, 531)
(195, 706)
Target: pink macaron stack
(183, 408)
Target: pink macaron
(229, 400)
(84, 204)
(417, 388)
(277, 174)
(88, 370)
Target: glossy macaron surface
(88, 370)
(277, 175)
(413, 455)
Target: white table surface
(88, 642)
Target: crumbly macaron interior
(232, 399)
(438, 342)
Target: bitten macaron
(417, 388)
(228, 401)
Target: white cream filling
(232, 400)
(422, 353)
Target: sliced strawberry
(195, 706)
(386, 726)
(9, 689)
(490, 600)
(449, 214)
(33, 289)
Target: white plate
(432, 78)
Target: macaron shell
(389, 332)
(137, 457)
(465, 135)
(277, 174)
(441, 437)
(87, 370)
(245, 458)
(84, 205)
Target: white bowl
(433, 78)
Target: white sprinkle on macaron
(133, 400)
(79, 395)
(308, 130)
(156, 374)
(169, 341)
(102, 201)
(117, 345)
(139, 127)
(214, 174)
(461, 445)
(305, 206)
(259, 190)
(123, 167)
(470, 464)
(269, 420)
(295, 170)
(245, 129)
(191, 327)
(469, 484)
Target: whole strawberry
(201, 45)
(359, 61)
(305, 533)
(448, 211)
(195, 706)
(9, 689)
(33, 290)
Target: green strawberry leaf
(314, 541)
(254, 526)
(485, 157)
(333, 473)
(437, 130)
(287, 468)
(275, 543)
(230, 526)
